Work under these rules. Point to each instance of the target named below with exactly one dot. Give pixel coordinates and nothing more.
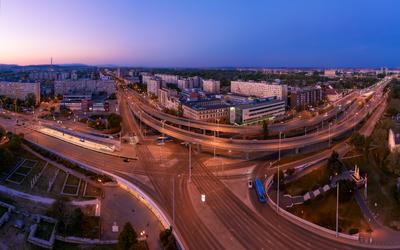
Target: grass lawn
(16, 178)
(309, 182)
(3, 210)
(23, 170)
(70, 190)
(44, 230)
(72, 181)
(381, 187)
(291, 158)
(29, 163)
(322, 211)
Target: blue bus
(262, 197)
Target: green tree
(30, 100)
(114, 121)
(168, 240)
(265, 129)
(127, 238)
(7, 159)
(334, 166)
(358, 140)
(346, 190)
(393, 163)
(379, 140)
(2, 132)
(281, 179)
(15, 142)
(180, 110)
(76, 222)
(58, 211)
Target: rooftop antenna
(51, 59)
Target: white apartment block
(184, 84)
(168, 98)
(330, 73)
(70, 87)
(146, 79)
(153, 85)
(260, 89)
(211, 86)
(168, 78)
(20, 90)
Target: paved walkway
(119, 207)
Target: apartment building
(260, 89)
(20, 90)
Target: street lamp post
(190, 162)
(329, 143)
(279, 158)
(173, 201)
(337, 209)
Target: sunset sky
(207, 33)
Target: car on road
(250, 183)
(126, 160)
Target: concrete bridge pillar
(204, 132)
(247, 155)
(297, 150)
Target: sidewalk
(119, 207)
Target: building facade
(168, 78)
(256, 111)
(304, 97)
(20, 90)
(85, 87)
(260, 89)
(211, 86)
(153, 85)
(209, 114)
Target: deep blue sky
(202, 33)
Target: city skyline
(206, 34)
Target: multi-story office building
(86, 87)
(20, 90)
(260, 89)
(210, 110)
(256, 111)
(153, 85)
(300, 98)
(211, 87)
